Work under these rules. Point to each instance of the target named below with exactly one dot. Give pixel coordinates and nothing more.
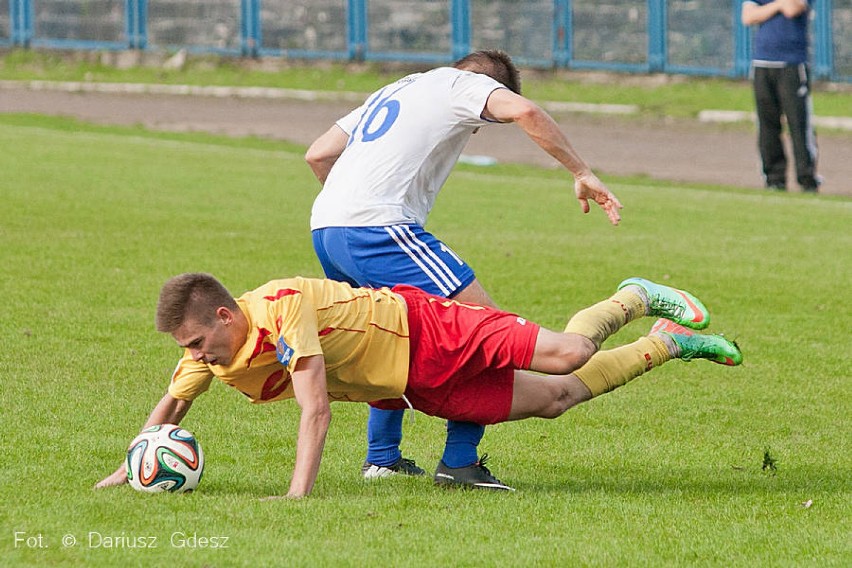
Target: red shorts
(463, 358)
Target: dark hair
(194, 294)
(494, 63)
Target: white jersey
(403, 143)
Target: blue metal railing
(21, 22)
(136, 23)
(830, 55)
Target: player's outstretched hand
(118, 477)
(588, 186)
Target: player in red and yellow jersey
(362, 334)
(321, 340)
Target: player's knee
(574, 352)
(554, 410)
(560, 399)
(561, 353)
(557, 407)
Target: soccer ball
(164, 458)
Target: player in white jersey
(403, 143)
(381, 167)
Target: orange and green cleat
(677, 305)
(693, 345)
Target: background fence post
(21, 16)
(563, 33)
(742, 41)
(356, 26)
(823, 36)
(460, 25)
(136, 23)
(657, 36)
(250, 38)
(131, 24)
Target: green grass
(666, 471)
(673, 97)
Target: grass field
(694, 464)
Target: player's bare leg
(474, 293)
(545, 396)
(549, 396)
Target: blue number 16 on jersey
(371, 128)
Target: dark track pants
(785, 90)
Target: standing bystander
(782, 87)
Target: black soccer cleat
(475, 476)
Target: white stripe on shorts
(437, 271)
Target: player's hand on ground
(588, 186)
(118, 477)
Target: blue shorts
(387, 256)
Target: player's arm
(753, 13)
(309, 386)
(325, 150)
(505, 106)
(793, 8)
(169, 410)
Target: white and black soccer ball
(164, 458)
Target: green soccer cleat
(693, 345)
(663, 301)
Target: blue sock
(462, 441)
(384, 433)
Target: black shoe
(475, 476)
(812, 185)
(404, 466)
(777, 186)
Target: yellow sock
(608, 370)
(605, 318)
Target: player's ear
(225, 315)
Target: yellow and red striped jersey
(362, 333)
